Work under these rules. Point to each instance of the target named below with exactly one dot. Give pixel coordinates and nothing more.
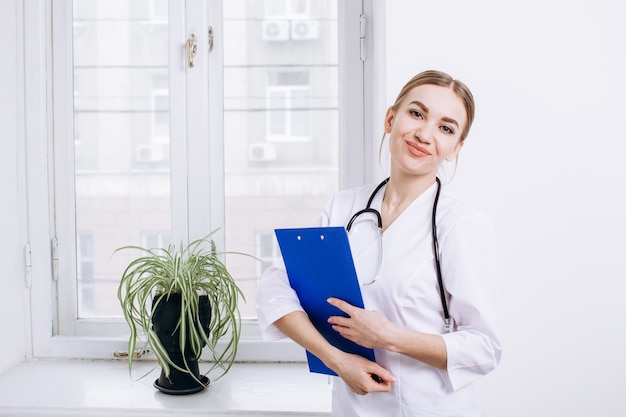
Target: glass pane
(121, 119)
(301, 113)
(280, 124)
(277, 114)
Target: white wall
(12, 313)
(545, 160)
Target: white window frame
(50, 194)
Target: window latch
(28, 264)
(362, 29)
(211, 36)
(55, 259)
(124, 354)
(192, 50)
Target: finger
(341, 305)
(379, 384)
(339, 321)
(382, 386)
(381, 375)
(345, 333)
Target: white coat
(407, 293)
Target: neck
(402, 190)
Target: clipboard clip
(322, 237)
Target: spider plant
(190, 270)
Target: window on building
(287, 8)
(289, 107)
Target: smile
(417, 150)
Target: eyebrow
(425, 109)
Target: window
(281, 128)
(246, 141)
(287, 8)
(289, 106)
(155, 240)
(121, 172)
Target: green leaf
(189, 270)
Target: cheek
(450, 150)
(401, 127)
(395, 146)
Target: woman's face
(425, 129)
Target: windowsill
(104, 388)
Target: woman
(423, 367)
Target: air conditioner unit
(261, 152)
(276, 30)
(149, 153)
(304, 29)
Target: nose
(425, 132)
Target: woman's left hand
(367, 328)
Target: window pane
(300, 115)
(84, 245)
(276, 7)
(121, 124)
(280, 78)
(277, 113)
(300, 6)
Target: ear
(389, 118)
(456, 151)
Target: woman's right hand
(362, 375)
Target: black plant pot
(181, 383)
(164, 320)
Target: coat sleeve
(275, 297)
(468, 268)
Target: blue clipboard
(319, 266)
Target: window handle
(192, 50)
(211, 39)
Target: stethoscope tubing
(368, 209)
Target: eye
(416, 113)
(447, 129)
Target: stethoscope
(369, 209)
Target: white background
(545, 160)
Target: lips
(417, 150)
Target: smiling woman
(431, 323)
